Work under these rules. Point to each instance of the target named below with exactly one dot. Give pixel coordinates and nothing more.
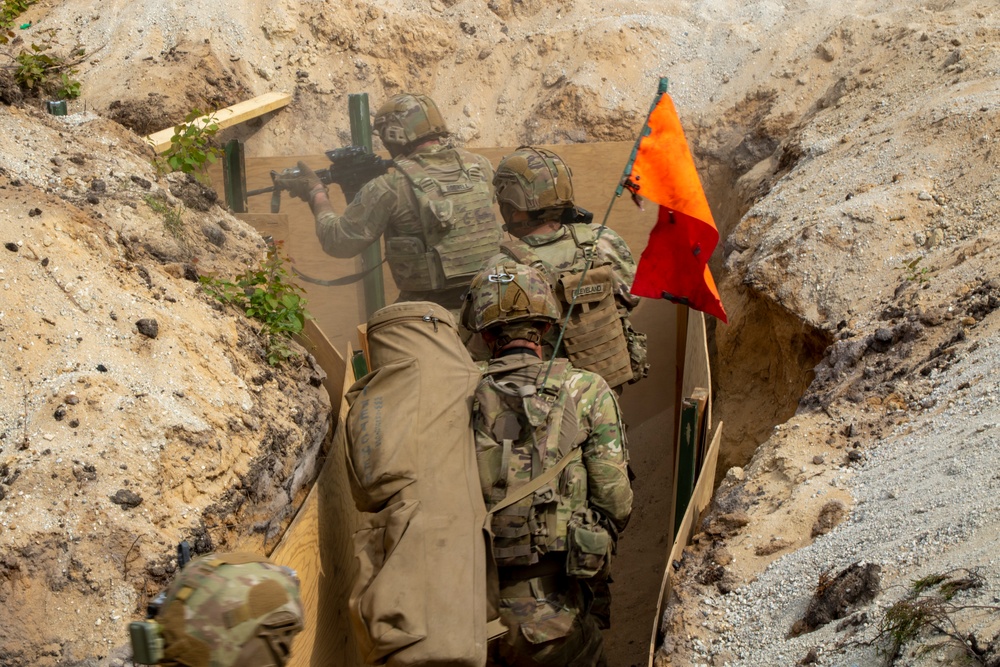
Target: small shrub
(39, 72)
(9, 11)
(173, 220)
(267, 295)
(191, 147)
(913, 272)
(928, 606)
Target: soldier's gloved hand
(303, 185)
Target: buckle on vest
(500, 278)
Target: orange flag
(674, 265)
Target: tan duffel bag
(420, 596)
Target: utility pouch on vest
(637, 352)
(595, 339)
(588, 546)
(413, 266)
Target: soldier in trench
(559, 427)
(223, 610)
(435, 209)
(534, 188)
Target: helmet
(533, 179)
(406, 118)
(506, 293)
(226, 610)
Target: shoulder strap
(416, 174)
(583, 235)
(551, 386)
(528, 488)
(520, 251)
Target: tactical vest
(522, 439)
(460, 231)
(595, 335)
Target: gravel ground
(926, 503)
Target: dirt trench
(763, 360)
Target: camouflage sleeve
(604, 452)
(363, 222)
(612, 247)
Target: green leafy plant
(191, 147)
(40, 72)
(267, 295)
(69, 88)
(9, 11)
(173, 220)
(913, 272)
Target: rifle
(350, 168)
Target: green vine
(265, 294)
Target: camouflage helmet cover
(533, 179)
(506, 293)
(406, 118)
(230, 610)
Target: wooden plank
(700, 500)
(313, 339)
(700, 396)
(319, 545)
(231, 115)
(363, 342)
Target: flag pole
(661, 90)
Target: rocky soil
(847, 150)
(136, 412)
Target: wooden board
(274, 225)
(694, 379)
(313, 339)
(227, 117)
(700, 500)
(319, 545)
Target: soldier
(534, 188)
(552, 465)
(223, 610)
(435, 208)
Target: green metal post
(687, 475)
(234, 176)
(361, 135)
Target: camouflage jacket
(581, 407)
(388, 206)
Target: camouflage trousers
(550, 625)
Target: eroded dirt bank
(839, 143)
(135, 411)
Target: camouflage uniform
(534, 188)
(559, 252)
(388, 206)
(539, 601)
(229, 610)
(533, 420)
(435, 209)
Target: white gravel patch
(927, 502)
